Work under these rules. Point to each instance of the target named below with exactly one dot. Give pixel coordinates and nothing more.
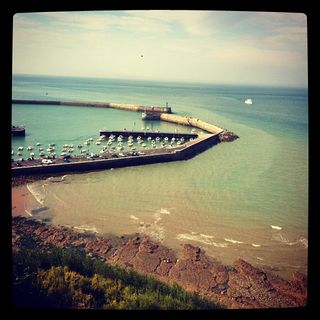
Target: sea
(245, 199)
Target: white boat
(248, 101)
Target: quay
(144, 134)
(108, 161)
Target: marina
(115, 159)
(114, 154)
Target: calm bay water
(246, 199)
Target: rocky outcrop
(227, 136)
(238, 286)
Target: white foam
(256, 245)
(58, 179)
(199, 238)
(28, 212)
(304, 242)
(259, 258)
(233, 241)
(134, 217)
(154, 231)
(276, 227)
(279, 237)
(204, 235)
(164, 211)
(38, 191)
(86, 228)
(157, 217)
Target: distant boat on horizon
(248, 101)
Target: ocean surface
(246, 199)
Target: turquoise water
(226, 199)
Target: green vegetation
(68, 278)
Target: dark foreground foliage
(51, 277)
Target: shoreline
(22, 199)
(241, 285)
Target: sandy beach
(21, 199)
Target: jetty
(121, 106)
(193, 145)
(114, 160)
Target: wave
(154, 231)
(233, 241)
(157, 217)
(28, 212)
(200, 238)
(276, 227)
(204, 235)
(87, 228)
(256, 245)
(58, 179)
(304, 242)
(134, 217)
(279, 237)
(38, 191)
(164, 211)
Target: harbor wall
(145, 134)
(188, 121)
(121, 106)
(191, 149)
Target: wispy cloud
(207, 45)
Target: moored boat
(18, 131)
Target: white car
(47, 161)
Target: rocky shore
(239, 286)
(227, 136)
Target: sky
(219, 47)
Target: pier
(144, 134)
(108, 161)
(121, 106)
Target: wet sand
(21, 200)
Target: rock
(227, 136)
(240, 286)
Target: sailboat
(248, 101)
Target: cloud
(197, 45)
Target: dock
(81, 164)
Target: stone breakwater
(239, 286)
